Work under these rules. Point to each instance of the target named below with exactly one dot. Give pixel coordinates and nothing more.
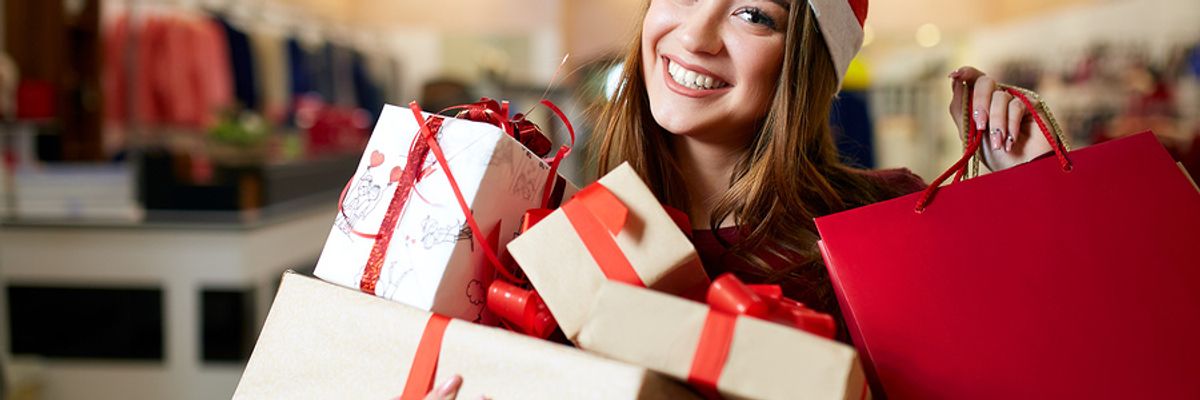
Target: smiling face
(711, 66)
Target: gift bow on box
(496, 112)
(597, 216)
(523, 130)
(487, 111)
(728, 298)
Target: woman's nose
(700, 29)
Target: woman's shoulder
(901, 180)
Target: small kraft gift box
(613, 229)
(743, 345)
(406, 228)
(322, 341)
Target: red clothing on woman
(813, 287)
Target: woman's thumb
(448, 390)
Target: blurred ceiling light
(868, 35)
(929, 35)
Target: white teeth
(693, 79)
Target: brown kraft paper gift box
(765, 360)
(566, 275)
(324, 341)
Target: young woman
(726, 117)
(724, 111)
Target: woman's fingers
(982, 101)
(1001, 136)
(448, 390)
(960, 82)
(1016, 114)
(967, 73)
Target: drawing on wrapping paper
(477, 295)
(434, 233)
(390, 279)
(525, 181)
(465, 234)
(502, 155)
(365, 194)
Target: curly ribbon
(496, 112)
(428, 136)
(728, 298)
(425, 361)
(597, 217)
(524, 131)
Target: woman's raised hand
(1012, 137)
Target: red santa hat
(841, 22)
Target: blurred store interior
(163, 161)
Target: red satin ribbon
(597, 217)
(711, 352)
(729, 298)
(425, 361)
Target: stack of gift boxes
(457, 250)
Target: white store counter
(187, 271)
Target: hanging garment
(271, 62)
(241, 60)
(853, 131)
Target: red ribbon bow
(523, 130)
(496, 112)
(729, 295)
(597, 215)
(729, 298)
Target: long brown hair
(789, 173)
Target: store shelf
(195, 265)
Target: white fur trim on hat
(842, 30)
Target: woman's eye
(755, 16)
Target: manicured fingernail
(980, 119)
(1008, 146)
(997, 134)
(450, 387)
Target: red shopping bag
(1074, 276)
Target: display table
(188, 270)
